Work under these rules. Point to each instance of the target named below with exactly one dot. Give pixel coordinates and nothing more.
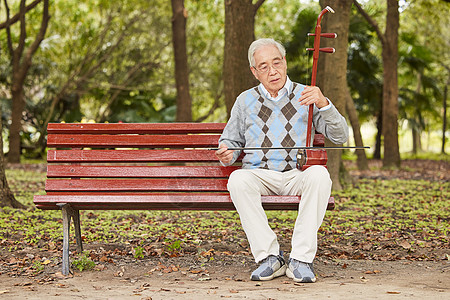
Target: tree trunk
(415, 127)
(184, 101)
(18, 106)
(21, 63)
(391, 156)
(334, 75)
(239, 34)
(416, 142)
(389, 42)
(377, 152)
(6, 196)
(444, 117)
(354, 121)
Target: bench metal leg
(76, 223)
(66, 235)
(69, 213)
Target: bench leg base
(69, 213)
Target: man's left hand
(313, 95)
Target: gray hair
(261, 43)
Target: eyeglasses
(277, 64)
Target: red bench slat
(134, 128)
(163, 201)
(174, 184)
(89, 171)
(132, 141)
(157, 155)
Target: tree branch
(40, 36)
(128, 78)
(11, 21)
(23, 35)
(215, 105)
(258, 4)
(26, 63)
(8, 30)
(371, 22)
(80, 76)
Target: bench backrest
(136, 159)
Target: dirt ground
(229, 278)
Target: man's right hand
(224, 155)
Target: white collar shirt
(287, 88)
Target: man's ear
(254, 72)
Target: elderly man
(275, 114)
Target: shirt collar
(286, 89)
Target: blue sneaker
(271, 267)
(300, 271)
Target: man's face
(270, 68)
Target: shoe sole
(304, 280)
(280, 272)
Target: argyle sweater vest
(259, 122)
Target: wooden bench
(159, 166)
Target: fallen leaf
(405, 244)
(208, 253)
(4, 292)
(59, 275)
(204, 279)
(393, 292)
(100, 267)
(118, 274)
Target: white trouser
(314, 185)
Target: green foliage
(392, 206)
(173, 246)
(138, 252)
(38, 266)
(381, 213)
(84, 262)
(300, 60)
(364, 74)
(425, 156)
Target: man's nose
(272, 70)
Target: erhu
(308, 157)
